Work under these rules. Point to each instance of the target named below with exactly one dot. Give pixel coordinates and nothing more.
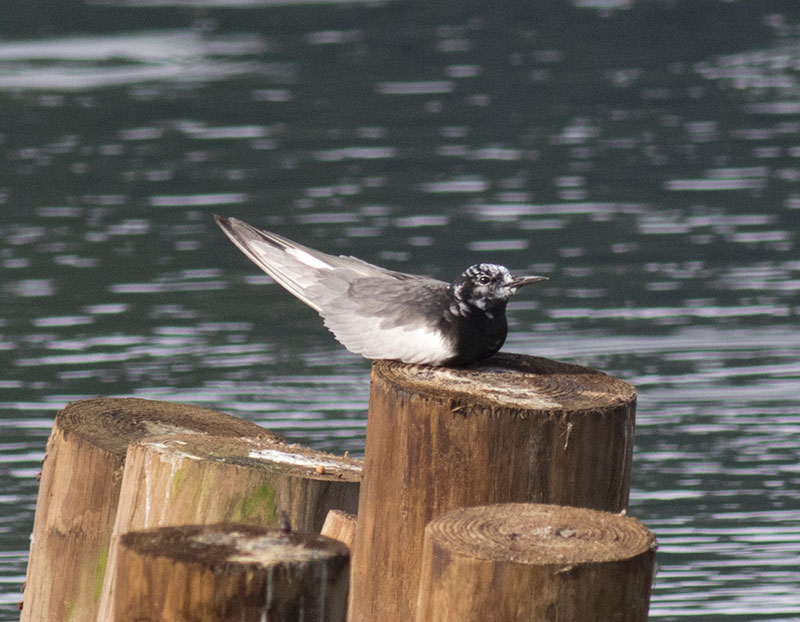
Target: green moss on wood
(178, 480)
(100, 573)
(257, 506)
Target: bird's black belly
(476, 336)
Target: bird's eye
(483, 279)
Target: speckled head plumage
(487, 285)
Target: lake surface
(643, 155)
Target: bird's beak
(520, 281)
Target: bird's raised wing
(372, 311)
(299, 268)
(397, 319)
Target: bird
(383, 314)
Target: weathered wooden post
(79, 490)
(185, 479)
(340, 526)
(513, 429)
(520, 561)
(220, 573)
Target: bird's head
(487, 285)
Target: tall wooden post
(514, 429)
(79, 490)
(524, 561)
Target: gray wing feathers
(292, 265)
(391, 320)
(365, 306)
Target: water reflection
(90, 62)
(654, 182)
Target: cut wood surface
(535, 562)
(512, 429)
(220, 573)
(79, 489)
(201, 479)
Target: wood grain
(224, 572)
(340, 526)
(535, 562)
(512, 429)
(79, 490)
(202, 479)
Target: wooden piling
(201, 479)
(513, 429)
(79, 490)
(340, 526)
(535, 562)
(219, 573)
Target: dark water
(643, 155)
